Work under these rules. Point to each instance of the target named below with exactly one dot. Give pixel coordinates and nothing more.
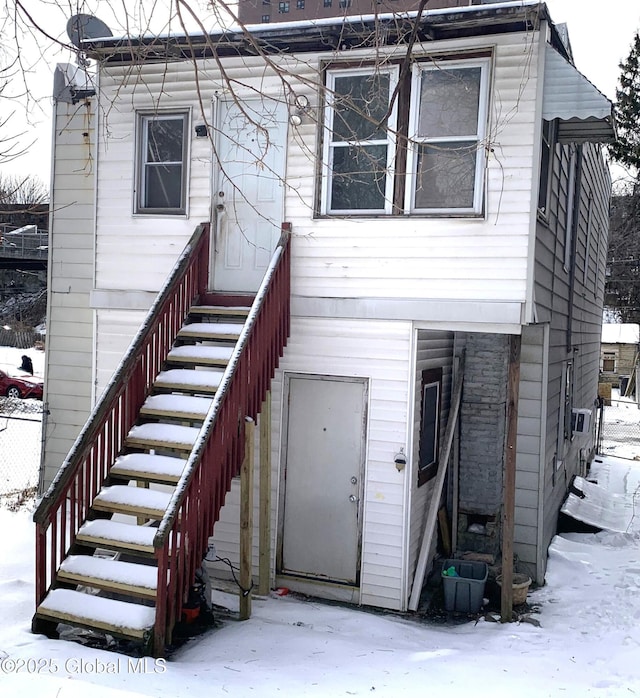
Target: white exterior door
(323, 478)
(248, 201)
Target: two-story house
(439, 295)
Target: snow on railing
(219, 450)
(65, 505)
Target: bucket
(520, 587)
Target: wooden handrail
(66, 504)
(127, 365)
(199, 495)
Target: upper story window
(413, 150)
(162, 163)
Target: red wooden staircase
(128, 517)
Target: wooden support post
(246, 520)
(434, 503)
(509, 480)
(265, 497)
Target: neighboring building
(619, 351)
(263, 11)
(449, 222)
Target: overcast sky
(600, 31)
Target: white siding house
(399, 276)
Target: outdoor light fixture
(299, 108)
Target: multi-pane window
(162, 163)
(359, 151)
(266, 19)
(417, 149)
(327, 3)
(300, 4)
(283, 7)
(446, 155)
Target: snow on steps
(136, 501)
(115, 535)
(201, 354)
(189, 380)
(145, 466)
(131, 620)
(228, 310)
(162, 435)
(211, 330)
(110, 575)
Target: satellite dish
(81, 27)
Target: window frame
(414, 140)
(143, 119)
(608, 356)
(402, 149)
(329, 146)
(428, 461)
(548, 141)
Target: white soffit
(584, 113)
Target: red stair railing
(64, 507)
(218, 454)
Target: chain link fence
(619, 428)
(20, 446)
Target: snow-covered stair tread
(186, 378)
(239, 310)
(134, 500)
(169, 435)
(117, 535)
(129, 619)
(149, 467)
(185, 406)
(202, 354)
(114, 575)
(213, 330)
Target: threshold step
(173, 436)
(201, 355)
(110, 575)
(148, 467)
(116, 535)
(135, 501)
(189, 380)
(122, 618)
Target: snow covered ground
(587, 643)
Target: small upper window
(162, 165)
(283, 7)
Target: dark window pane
(327, 3)
(164, 140)
(449, 101)
(359, 178)
(163, 186)
(429, 431)
(360, 107)
(446, 175)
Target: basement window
(429, 425)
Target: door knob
(353, 498)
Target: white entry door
(248, 195)
(323, 478)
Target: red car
(19, 387)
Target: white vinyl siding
(480, 264)
(69, 346)
(379, 351)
